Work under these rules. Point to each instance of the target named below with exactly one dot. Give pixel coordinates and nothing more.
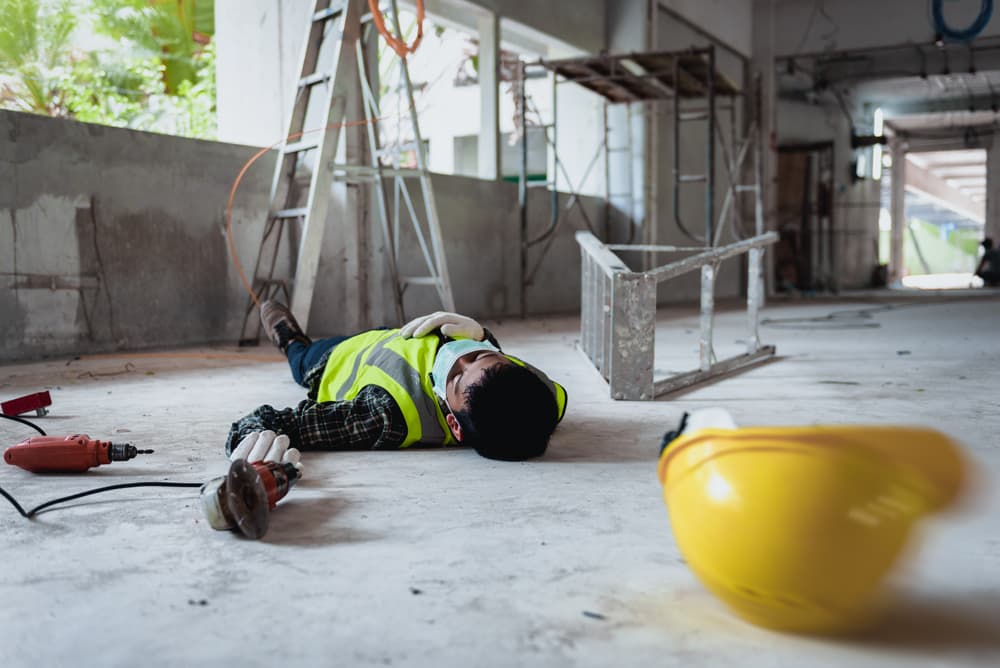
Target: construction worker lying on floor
(439, 380)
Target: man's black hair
(987, 243)
(509, 414)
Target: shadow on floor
(308, 523)
(607, 440)
(929, 624)
(677, 394)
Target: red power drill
(67, 454)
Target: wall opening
(945, 201)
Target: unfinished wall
(113, 239)
(807, 26)
(480, 223)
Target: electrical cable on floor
(37, 509)
(839, 319)
(34, 511)
(23, 421)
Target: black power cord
(23, 421)
(37, 509)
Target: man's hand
(266, 446)
(451, 324)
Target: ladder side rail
(310, 246)
(444, 289)
(371, 116)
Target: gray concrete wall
(480, 222)
(113, 239)
(579, 23)
(805, 26)
(725, 21)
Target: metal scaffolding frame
(618, 305)
(636, 78)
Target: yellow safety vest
(402, 367)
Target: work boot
(280, 325)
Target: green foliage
(154, 70)
(34, 43)
(955, 254)
(164, 28)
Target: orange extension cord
(396, 43)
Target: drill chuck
(122, 452)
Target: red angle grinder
(243, 499)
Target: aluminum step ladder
(298, 209)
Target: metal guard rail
(618, 315)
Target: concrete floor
(441, 558)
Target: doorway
(804, 257)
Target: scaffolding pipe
(522, 184)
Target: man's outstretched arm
(370, 421)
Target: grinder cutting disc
(247, 499)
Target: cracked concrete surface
(441, 558)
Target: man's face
(467, 371)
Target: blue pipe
(968, 34)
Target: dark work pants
(303, 357)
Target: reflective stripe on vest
(399, 366)
(402, 367)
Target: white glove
(266, 446)
(450, 324)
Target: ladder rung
(313, 79)
(355, 178)
(341, 169)
(299, 146)
(693, 115)
(420, 280)
(743, 189)
(691, 178)
(393, 150)
(329, 12)
(292, 213)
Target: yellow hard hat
(795, 528)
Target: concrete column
(651, 149)
(993, 190)
(489, 97)
(897, 209)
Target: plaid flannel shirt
(372, 420)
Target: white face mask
(446, 357)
